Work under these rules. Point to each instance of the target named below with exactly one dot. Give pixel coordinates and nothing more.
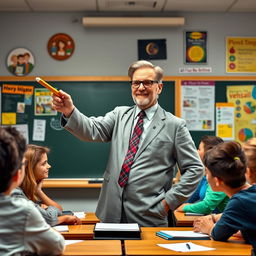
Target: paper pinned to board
(186, 247)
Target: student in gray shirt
(23, 229)
(36, 170)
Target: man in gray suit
(146, 194)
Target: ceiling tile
(244, 6)
(13, 6)
(198, 5)
(135, 6)
(63, 5)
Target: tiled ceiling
(103, 6)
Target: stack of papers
(182, 235)
(117, 231)
(117, 227)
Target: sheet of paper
(80, 214)
(61, 228)
(67, 242)
(39, 130)
(183, 233)
(186, 247)
(117, 226)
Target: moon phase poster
(152, 49)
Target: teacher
(147, 145)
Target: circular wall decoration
(61, 46)
(20, 61)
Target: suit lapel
(127, 122)
(153, 130)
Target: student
(23, 230)
(249, 148)
(146, 144)
(225, 171)
(205, 200)
(36, 170)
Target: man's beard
(141, 102)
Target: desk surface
(79, 232)
(182, 220)
(150, 247)
(94, 247)
(90, 218)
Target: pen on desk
(48, 86)
(188, 246)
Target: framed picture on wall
(20, 61)
(152, 49)
(195, 47)
(61, 46)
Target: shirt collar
(149, 111)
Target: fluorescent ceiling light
(133, 21)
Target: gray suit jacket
(166, 144)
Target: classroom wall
(108, 52)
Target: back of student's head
(210, 141)
(12, 146)
(33, 156)
(250, 152)
(227, 162)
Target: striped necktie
(132, 149)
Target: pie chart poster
(154, 49)
(195, 47)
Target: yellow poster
(8, 118)
(244, 99)
(241, 54)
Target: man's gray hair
(146, 64)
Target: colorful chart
(245, 134)
(249, 108)
(254, 92)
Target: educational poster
(23, 129)
(195, 47)
(244, 100)
(39, 130)
(152, 49)
(198, 102)
(225, 125)
(43, 103)
(13, 103)
(241, 54)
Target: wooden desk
(150, 248)
(94, 247)
(182, 220)
(148, 245)
(149, 233)
(79, 232)
(90, 218)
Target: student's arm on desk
(45, 199)
(69, 219)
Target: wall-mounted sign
(61, 46)
(195, 47)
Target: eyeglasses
(146, 83)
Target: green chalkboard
(220, 96)
(70, 157)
